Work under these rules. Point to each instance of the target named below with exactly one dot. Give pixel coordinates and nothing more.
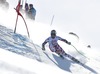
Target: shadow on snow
(65, 64)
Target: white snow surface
(11, 63)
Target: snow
(27, 65)
(22, 55)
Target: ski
(74, 59)
(61, 56)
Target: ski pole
(80, 52)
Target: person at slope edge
(32, 12)
(53, 45)
(26, 7)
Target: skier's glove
(43, 49)
(69, 43)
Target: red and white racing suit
(54, 46)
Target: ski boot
(61, 56)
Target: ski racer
(53, 45)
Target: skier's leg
(60, 55)
(55, 49)
(59, 51)
(72, 58)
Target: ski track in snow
(23, 46)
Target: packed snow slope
(28, 58)
(11, 63)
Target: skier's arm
(64, 40)
(43, 45)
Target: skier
(53, 45)
(32, 12)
